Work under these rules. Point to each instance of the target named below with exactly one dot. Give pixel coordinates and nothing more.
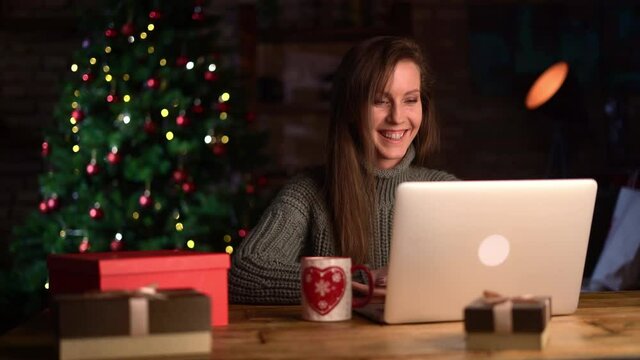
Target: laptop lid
(453, 240)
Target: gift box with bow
(128, 270)
(143, 322)
(496, 322)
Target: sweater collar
(399, 168)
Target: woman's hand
(380, 281)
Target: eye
(384, 102)
(411, 100)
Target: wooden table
(606, 325)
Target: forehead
(405, 75)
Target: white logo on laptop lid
(493, 250)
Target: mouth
(393, 135)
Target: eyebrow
(410, 92)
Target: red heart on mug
(323, 288)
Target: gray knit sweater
(266, 265)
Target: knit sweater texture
(266, 265)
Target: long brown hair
(349, 183)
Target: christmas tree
(152, 146)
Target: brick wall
(36, 37)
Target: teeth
(393, 135)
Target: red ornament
(219, 149)
(242, 233)
(111, 98)
(111, 33)
(96, 213)
(149, 126)
(210, 76)
(77, 114)
(182, 120)
(53, 203)
(113, 158)
(128, 29)
(84, 245)
(145, 199)
(222, 107)
(92, 168)
(197, 16)
(188, 187)
(197, 109)
(250, 189)
(46, 150)
(155, 15)
(43, 207)
(153, 83)
(182, 60)
(180, 176)
(86, 77)
(116, 245)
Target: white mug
(326, 288)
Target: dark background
(485, 54)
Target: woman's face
(396, 115)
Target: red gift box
(130, 270)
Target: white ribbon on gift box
(502, 309)
(139, 309)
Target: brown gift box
(527, 315)
(122, 313)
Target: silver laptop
(453, 240)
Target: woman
(382, 130)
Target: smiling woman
(381, 133)
(396, 115)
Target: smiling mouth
(393, 135)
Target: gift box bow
(522, 313)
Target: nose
(395, 114)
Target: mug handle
(360, 302)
